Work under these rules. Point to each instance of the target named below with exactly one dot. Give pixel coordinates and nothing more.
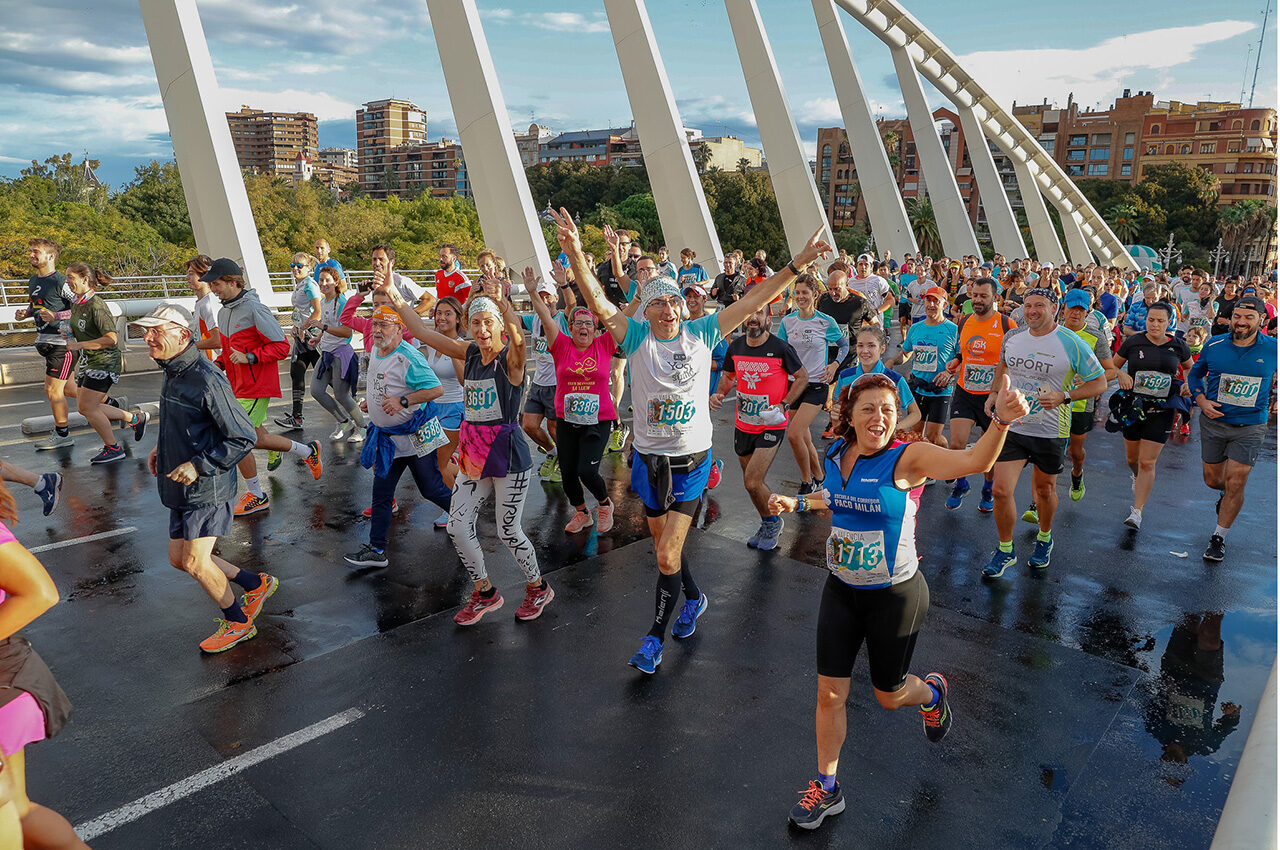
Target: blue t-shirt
(905, 280)
(854, 372)
(934, 347)
(693, 274)
(1110, 306)
(873, 523)
(1237, 377)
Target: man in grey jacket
(204, 433)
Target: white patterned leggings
(509, 494)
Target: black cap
(222, 267)
(1253, 302)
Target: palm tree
(1244, 226)
(743, 165)
(701, 156)
(924, 225)
(1123, 219)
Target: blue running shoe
(649, 656)
(754, 540)
(769, 531)
(689, 614)
(49, 489)
(1040, 558)
(987, 501)
(999, 562)
(957, 495)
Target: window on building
(1244, 188)
(1075, 170)
(1229, 168)
(1126, 170)
(1047, 144)
(1233, 146)
(1152, 150)
(1128, 154)
(1207, 168)
(1129, 138)
(1184, 149)
(1075, 156)
(1155, 129)
(910, 162)
(1102, 138)
(1099, 154)
(1078, 141)
(1237, 125)
(1208, 147)
(1256, 125)
(1168, 150)
(1215, 125)
(1098, 169)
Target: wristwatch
(1066, 397)
(404, 401)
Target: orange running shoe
(251, 602)
(228, 635)
(313, 460)
(251, 504)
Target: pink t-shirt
(6, 536)
(582, 380)
(21, 720)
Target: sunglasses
(296, 266)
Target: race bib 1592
(857, 558)
(1153, 384)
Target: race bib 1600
(857, 558)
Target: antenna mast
(1266, 13)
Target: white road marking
(22, 403)
(61, 544)
(186, 787)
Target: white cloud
(497, 14)
(1093, 74)
(574, 22)
(325, 107)
(710, 110)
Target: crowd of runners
(877, 374)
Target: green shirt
(92, 320)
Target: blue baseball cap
(1077, 298)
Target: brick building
(269, 142)
(382, 126)
(1236, 145)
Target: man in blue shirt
(1232, 385)
(322, 254)
(930, 345)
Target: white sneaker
(340, 433)
(357, 434)
(1134, 520)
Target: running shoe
(368, 512)
(580, 520)
(1134, 520)
(544, 471)
(251, 504)
(228, 635)
(815, 804)
(1031, 514)
(555, 477)
(649, 656)
(713, 477)
(805, 488)
(937, 720)
(1040, 557)
(1185, 430)
(274, 459)
(769, 531)
(441, 522)
(616, 439)
(535, 599)
(342, 431)
(290, 422)
(477, 607)
(830, 433)
(1077, 487)
(604, 518)
(753, 541)
(313, 460)
(357, 434)
(987, 500)
(957, 495)
(251, 601)
(139, 425)
(49, 490)
(367, 557)
(999, 562)
(54, 441)
(108, 454)
(687, 622)
(1216, 550)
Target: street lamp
(1254, 256)
(1169, 254)
(1218, 254)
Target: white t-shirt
(810, 338)
(669, 380)
(206, 314)
(330, 311)
(402, 372)
(1035, 364)
(409, 290)
(442, 365)
(873, 288)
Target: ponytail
(97, 278)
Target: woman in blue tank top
(875, 592)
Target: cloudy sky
(77, 76)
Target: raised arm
(925, 459)
(550, 327)
(516, 349)
(592, 293)
(765, 291)
(414, 324)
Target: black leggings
(887, 618)
(300, 358)
(580, 448)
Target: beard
(755, 331)
(1242, 335)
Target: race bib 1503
(1153, 384)
(669, 415)
(581, 408)
(978, 379)
(482, 401)
(857, 558)
(1239, 390)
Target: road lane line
(186, 787)
(22, 403)
(61, 544)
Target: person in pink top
(584, 406)
(34, 707)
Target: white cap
(546, 287)
(165, 314)
(865, 258)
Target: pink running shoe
(476, 608)
(605, 513)
(581, 520)
(535, 599)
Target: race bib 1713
(857, 558)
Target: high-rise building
(346, 157)
(437, 169)
(269, 142)
(381, 127)
(1091, 143)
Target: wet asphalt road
(1094, 706)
